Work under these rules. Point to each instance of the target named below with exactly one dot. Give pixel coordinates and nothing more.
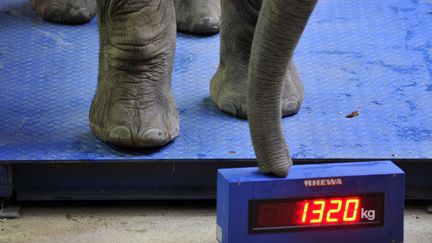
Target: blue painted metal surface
(370, 56)
(237, 186)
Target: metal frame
(5, 181)
(135, 180)
(6, 189)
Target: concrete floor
(172, 221)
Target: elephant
(193, 16)
(256, 78)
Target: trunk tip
(281, 172)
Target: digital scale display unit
(338, 202)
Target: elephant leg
(198, 16)
(228, 87)
(133, 105)
(65, 11)
(278, 31)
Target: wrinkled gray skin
(134, 106)
(228, 87)
(257, 77)
(193, 16)
(277, 33)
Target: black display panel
(312, 213)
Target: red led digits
(289, 214)
(334, 210)
(318, 211)
(330, 210)
(351, 210)
(305, 210)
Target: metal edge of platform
(183, 179)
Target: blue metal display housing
(236, 187)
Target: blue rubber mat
(370, 56)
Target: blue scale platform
(370, 56)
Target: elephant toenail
(154, 135)
(207, 25)
(290, 108)
(229, 108)
(210, 22)
(81, 15)
(120, 133)
(53, 13)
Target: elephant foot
(133, 111)
(133, 105)
(228, 90)
(65, 11)
(228, 87)
(198, 16)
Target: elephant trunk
(278, 31)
